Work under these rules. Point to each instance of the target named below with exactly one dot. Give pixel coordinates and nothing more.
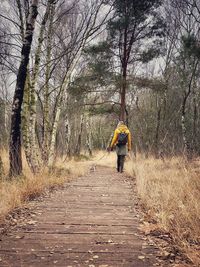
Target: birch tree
(88, 23)
(15, 131)
(33, 153)
(46, 122)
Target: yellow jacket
(121, 128)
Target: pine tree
(133, 24)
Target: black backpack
(122, 139)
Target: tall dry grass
(170, 193)
(16, 192)
(171, 189)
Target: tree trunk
(6, 120)
(15, 131)
(184, 131)
(124, 76)
(25, 120)
(19, 6)
(89, 137)
(67, 135)
(157, 132)
(46, 126)
(1, 168)
(53, 134)
(183, 125)
(78, 146)
(186, 148)
(35, 163)
(35, 158)
(195, 118)
(159, 104)
(101, 137)
(123, 100)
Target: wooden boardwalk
(90, 222)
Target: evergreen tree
(134, 23)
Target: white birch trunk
(35, 155)
(67, 135)
(46, 126)
(89, 137)
(78, 146)
(25, 121)
(53, 136)
(184, 131)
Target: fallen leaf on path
(19, 237)
(31, 222)
(95, 257)
(141, 257)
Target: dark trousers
(120, 163)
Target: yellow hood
(123, 128)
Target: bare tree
(15, 132)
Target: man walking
(122, 141)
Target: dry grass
(15, 193)
(171, 189)
(170, 193)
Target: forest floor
(92, 221)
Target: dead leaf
(31, 222)
(141, 257)
(19, 237)
(95, 257)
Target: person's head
(120, 123)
